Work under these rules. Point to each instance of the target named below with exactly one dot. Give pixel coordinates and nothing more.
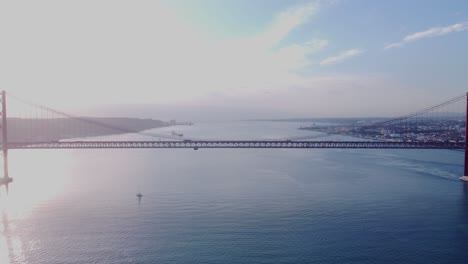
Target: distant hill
(326, 120)
(448, 115)
(21, 129)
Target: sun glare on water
(39, 176)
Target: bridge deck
(247, 144)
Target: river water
(235, 205)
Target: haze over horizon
(235, 59)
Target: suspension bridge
(34, 126)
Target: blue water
(235, 206)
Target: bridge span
(236, 144)
(442, 126)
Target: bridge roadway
(246, 144)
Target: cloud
(286, 21)
(154, 56)
(430, 33)
(231, 67)
(164, 59)
(341, 57)
(295, 55)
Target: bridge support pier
(6, 179)
(465, 165)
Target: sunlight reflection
(38, 177)
(7, 251)
(17, 249)
(4, 252)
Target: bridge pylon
(6, 180)
(465, 161)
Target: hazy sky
(238, 58)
